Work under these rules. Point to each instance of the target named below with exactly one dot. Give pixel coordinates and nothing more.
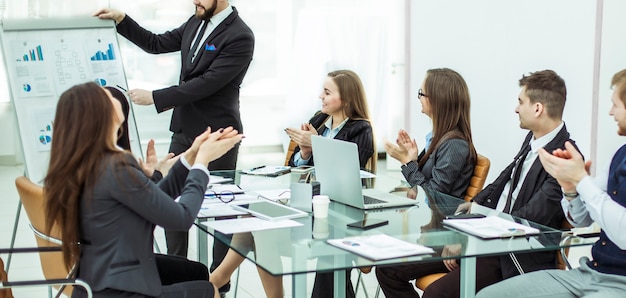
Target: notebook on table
(337, 170)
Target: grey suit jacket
(117, 220)
(447, 170)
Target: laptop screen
(337, 169)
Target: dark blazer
(117, 221)
(447, 170)
(208, 90)
(355, 131)
(539, 200)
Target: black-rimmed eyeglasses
(224, 196)
(420, 94)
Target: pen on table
(256, 168)
(118, 86)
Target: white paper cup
(320, 206)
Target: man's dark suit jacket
(355, 131)
(539, 201)
(208, 90)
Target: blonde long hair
(355, 107)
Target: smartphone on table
(369, 223)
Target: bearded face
(205, 9)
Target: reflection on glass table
(304, 249)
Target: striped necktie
(193, 49)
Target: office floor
(27, 267)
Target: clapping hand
(151, 162)
(302, 137)
(217, 144)
(566, 166)
(404, 150)
(220, 141)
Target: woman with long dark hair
(107, 207)
(447, 163)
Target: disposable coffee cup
(320, 206)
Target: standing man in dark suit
(216, 48)
(524, 189)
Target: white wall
(612, 60)
(491, 44)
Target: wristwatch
(570, 194)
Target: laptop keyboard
(369, 200)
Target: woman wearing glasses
(446, 164)
(344, 116)
(107, 207)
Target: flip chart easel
(45, 57)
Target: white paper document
(380, 247)
(271, 171)
(490, 227)
(213, 179)
(248, 224)
(212, 210)
(213, 207)
(219, 188)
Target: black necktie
(516, 173)
(192, 51)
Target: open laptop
(337, 170)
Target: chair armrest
(49, 282)
(30, 249)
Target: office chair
(5, 293)
(290, 150)
(52, 263)
(481, 169)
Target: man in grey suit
(216, 49)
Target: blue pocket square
(209, 47)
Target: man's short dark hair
(548, 88)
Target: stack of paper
(490, 227)
(213, 179)
(271, 171)
(249, 224)
(380, 247)
(213, 207)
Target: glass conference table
(303, 249)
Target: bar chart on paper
(45, 57)
(109, 54)
(35, 54)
